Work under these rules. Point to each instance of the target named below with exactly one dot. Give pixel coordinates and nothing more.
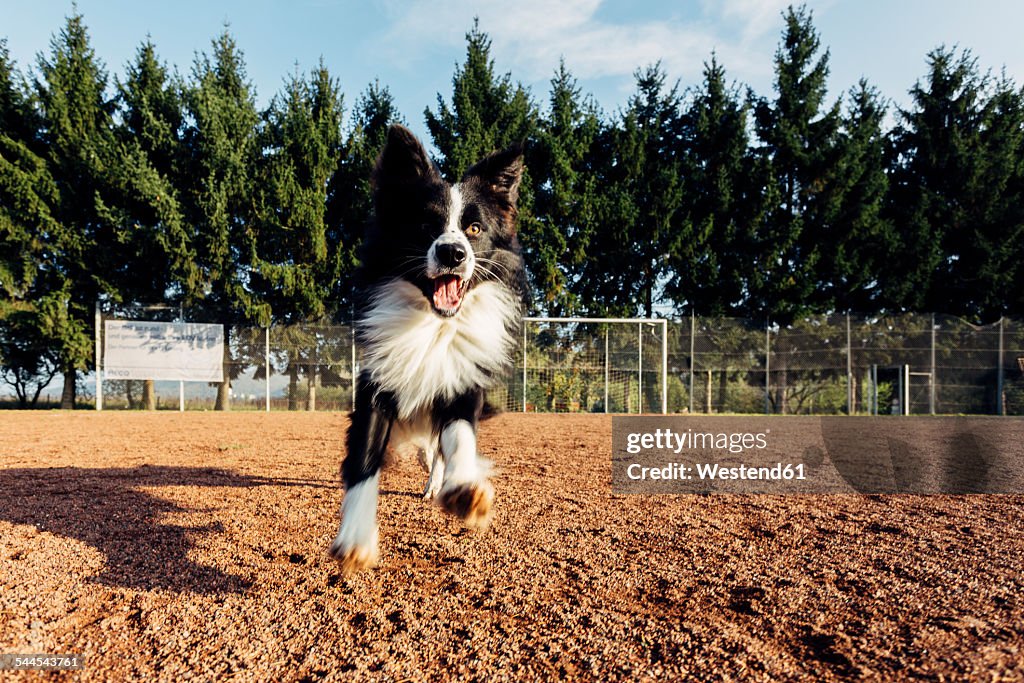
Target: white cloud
(536, 32)
(529, 36)
(754, 18)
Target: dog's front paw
(353, 557)
(471, 501)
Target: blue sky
(413, 47)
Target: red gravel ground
(193, 546)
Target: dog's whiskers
(492, 262)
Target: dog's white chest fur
(420, 356)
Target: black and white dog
(440, 303)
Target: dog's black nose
(450, 255)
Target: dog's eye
(473, 229)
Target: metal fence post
(181, 383)
(266, 348)
(906, 387)
(932, 383)
(664, 367)
(767, 368)
(524, 366)
(640, 369)
(849, 367)
(607, 366)
(1000, 403)
(693, 365)
(98, 360)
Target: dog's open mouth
(449, 291)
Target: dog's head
(445, 238)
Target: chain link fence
(828, 365)
(823, 365)
(284, 367)
(588, 365)
(562, 365)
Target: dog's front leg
(356, 545)
(466, 492)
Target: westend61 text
(712, 471)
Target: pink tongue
(446, 291)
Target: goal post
(591, 365)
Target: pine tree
(301, 143)
(857, 239)
(145, 181)
(349, 200)
(296, 263)
(944, 185)
(639, 190)
(153, 111)
(488, 113)
(29, 337)
(17, 118)
(143, 199)
(607, 284)
(654, 122)
(222, 145)
(77, 134)
(723, 203)
(799, 137)
(27, 191)
(989, 267)
(565, 195)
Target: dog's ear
(403, 160)
(501, 174)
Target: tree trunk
(780, 389)
(223, 396)
(67, 397)
(311, 380)
(149, 394)
(128, 394)
(39, 390)
(723, 386)
(293, 386)
(224, 388)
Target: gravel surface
(193, 547)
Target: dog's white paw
(473, 502)
(356, 546)
(355, 557)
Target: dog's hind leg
(356, 545)
(465, 491)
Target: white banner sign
(137, 349)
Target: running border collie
(439, 294)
